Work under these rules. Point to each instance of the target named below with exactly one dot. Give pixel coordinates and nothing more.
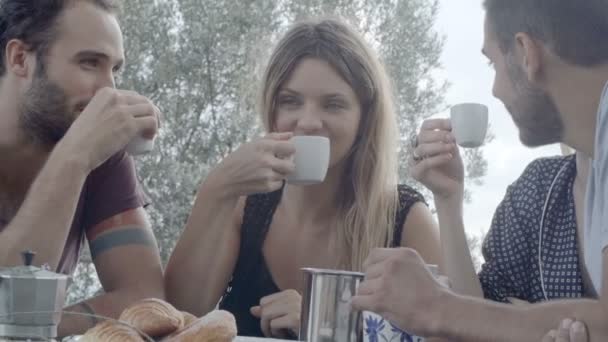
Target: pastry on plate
(153, 317)
(216, 326)
(111, 331)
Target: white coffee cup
(311, 159)
(377, 328)
(469, 124)
(140, 145)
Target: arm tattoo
(119, 238)
(89, 311)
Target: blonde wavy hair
(368, 200)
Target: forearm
(88, 313)
(203, 260)
(43, 221)
(473, 319)
(457, 261)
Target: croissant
(153, 317)
(216, 326)
(111, 331)
(188, 318)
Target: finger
(271, 186)
(283, 149)
(271, 312)
(256, 311)
(429, 163)
(434, 149)
(578, 332)
(279, 135)
(125, 96)
(286, 296)
(139, 110)
(426, 137)
(130, 98)
(374, 271)
(265, 325)
(283, 167)
(436, 124)
(368, 287)
(147, 126)
(363, 303)
(278, 309)
(265, 301)
(563, 333)
(550, 336)
(159, 116)
(146, 117)
(280, 326)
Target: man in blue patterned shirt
(551, 62)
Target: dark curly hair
(575, 30)
(34, 23)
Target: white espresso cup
(311, 159)
(140, 145)
(469, 124)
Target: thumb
(361, 303)
(280, 135)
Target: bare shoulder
(420, 232)
(419, 217)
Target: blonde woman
(250, 233)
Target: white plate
(237, 339)
(257, 339)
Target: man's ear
(18, 58)
(531, 56)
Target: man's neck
(578, 99)
(582, 169)
(19, 167)
(9, 115)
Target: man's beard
(533, 111)
(45, 115)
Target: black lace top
(252, 280)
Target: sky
(471, 78)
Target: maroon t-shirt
(110, 189)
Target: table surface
(256, 339)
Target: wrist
(446, 308)
(69, 163)
(73, 158)
(215, 185)
(452, 203)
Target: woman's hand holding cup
(259, 166)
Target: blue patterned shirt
(511, 248)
